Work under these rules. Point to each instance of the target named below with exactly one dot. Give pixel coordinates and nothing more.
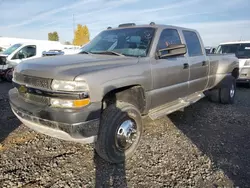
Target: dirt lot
(207, 145)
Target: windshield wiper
(108, 53)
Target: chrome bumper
(56, 133)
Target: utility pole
(73, 24)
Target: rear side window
(193, 43)
(168, 37)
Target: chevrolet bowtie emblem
(22, 89)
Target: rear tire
(214, 95)
(224, 94)
(121, 123)
(227, 93)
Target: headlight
(64, 103)
(247, 63)
(3, 60)
(60, 85)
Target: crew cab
(124, 74)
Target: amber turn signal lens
(81, 103)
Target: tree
(53, 36)
(81, 35)
(67, 43)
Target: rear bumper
(79, 125)
(244, 76)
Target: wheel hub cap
(126, 134)
(232, 91)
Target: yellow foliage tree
(81, 35)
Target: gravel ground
(207, 145)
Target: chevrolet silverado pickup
(124, 74)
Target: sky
(216, 20)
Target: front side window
(168, 37)
(128, 41)
(193, 43)
(25, 52)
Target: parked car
(21, 52)
(53, 53)
(71, 49)
(242, 50)
(210, 50)
(122, 75)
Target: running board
(175, 106)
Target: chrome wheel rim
(126, 134)
(232, 91)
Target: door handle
(185, 65)
(204, 63)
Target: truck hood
(67, 67)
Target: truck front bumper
(77, 125)
(244, 76)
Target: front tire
(119, 133)
(8, 75)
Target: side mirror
(172, 50)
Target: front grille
(2, 60)
(32, 81)
(36, 98)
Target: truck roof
(235, 42)
(153, 25)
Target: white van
(20, 52)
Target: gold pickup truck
(124, 74)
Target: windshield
(240, 50)
(129, 42)
(11, 49)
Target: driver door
(170, 75)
